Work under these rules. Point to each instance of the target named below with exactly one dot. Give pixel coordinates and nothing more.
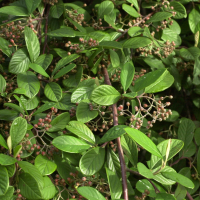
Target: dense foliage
(99, 100)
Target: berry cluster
(51, 2)
(144, 195)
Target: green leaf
(8, 115)
(194, 19)
(44, 165)
(9, 194)
(17, 150)
(53, 91)
(92, 161)
(83, 112)
(4, 180)
(2, 84)
(180, 192)
(90, 193)
(18, 130)
(64, 70)
(113, 133)
(78, 26)
(57, 10)
(179, 9)
(19, 62)
(113, 162)
(81, 130)
(190, 54)
(105, 95)
(143, 141)
(155, 81)
(3, 142)
(64, 61)
(197, 136)
(175, 147)
(14, 10)
(32, 171)
(186, 132)
(29, 104)
(170, 35)
(44, 107)
(130, 10)
(29, 187)
(19, 91)
(60, 122)
(32, 43)
(110, 45)
(105, 8)
(137, 42)
(127, 74)
(179, 178)
(62, 32)
(7, 160)
(135, 3)
(130, 148)
(114, 58)
(65, 102)
(160, 16)
(70, 144)
(49, 190)
(114, 184)
(4, 47)
(135, 31)
(15, 107)
(38, 69)
(162, 179)
(29, 81)
(11, 170)
(44, 60)
(163, 196)
(32, 5)
(143, 185)
(82, 93)
(130, 95)
(62, 53)
(144, 171)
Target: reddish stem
(120, 150)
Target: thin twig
(120, 151)
(189, 196)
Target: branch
(46, 28)
(120, 151)
(189, 196)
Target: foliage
(99, 100)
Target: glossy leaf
(29, 81)
(15, 107)
(92, 161)
(14, 10)
(53, 91)
(179, 178)
(9, 194)
(7, 160)
(159, 16)
(144, 171)
(44, 60)
(113, 133)
(60, 122)
(193, 19)
(130, 10)
(62, 32)
(38, 69)
(105, 8)
(64, 70)
(19, 62)
(29, 186)
(155, 81)
(137, 42)
(32, 43)
(2, 84)
(70, 144)
(144, 141)
(114, 184)
(49, 190)
(90, 193)
(4, 47)
(180, 192)
(83, 112)
(18, 130)
(81, 130)
(44, 165)
(105, 95)
(127, 74)
(163, 196)
(191, 53)
(3, 142)
(57, 10)
(44, 107)
(4, 180)
(114, 58)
